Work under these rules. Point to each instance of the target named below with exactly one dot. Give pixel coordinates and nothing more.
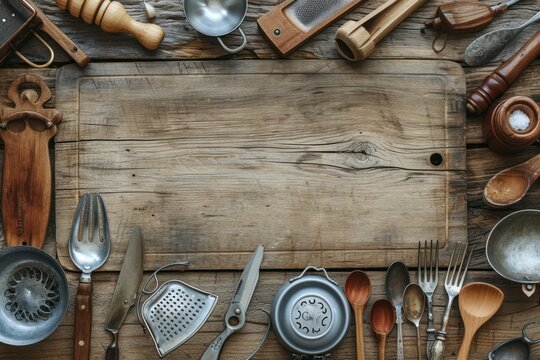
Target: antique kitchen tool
(310, 314)
(112, 17)
(478, 302)
(125, 292)
(512, 125)
(462, 17)
(356, 40)
(513, 250)
(453, 283)
(89, 248)
(217, 18)
(26, 130)
(174, 311)
(358, 290)
(235, 317)
(21, 18)
(413, 307)
(496, 83)
(483, 49)
(33, 295)
(515, 349)
(383, 318)
(428, 281)
(293, 22)
(509, 186)
(397, 279)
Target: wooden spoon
(383, 318)
(478, 302)
(358, 290)
(510, 185)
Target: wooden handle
(113, 352)
(359, 321)
(465, 347)
(83, 322)
(381, 344)
(465, 16)
(496, 83)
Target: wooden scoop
(478, 302)
(358, 290)
(383, 318)
(510, 185)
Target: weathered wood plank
(134, 344)
(215, 158)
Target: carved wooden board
(323, 162)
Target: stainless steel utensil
(235, 317)
(428, 281)
(33, 296)
(513, 249)
(413, 306)
(515, 349)
(397, 279)
(125, 292)
(217, 18)
(453, 282)
(483, 49)
(89, 248)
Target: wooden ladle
(509, 186)
(358, 290)
(383, 318)
(478, 302)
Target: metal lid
(310, 314)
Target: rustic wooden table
(407, 42)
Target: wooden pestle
(112, 17)
(496, 83)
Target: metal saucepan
(513, 248)
(33, 295)
(217, 18)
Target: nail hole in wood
(436, 159)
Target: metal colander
(174, 311)
(34, 295)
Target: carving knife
(125, 292)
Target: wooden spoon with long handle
(383, 318)
(358, 290)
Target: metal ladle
(413, 306)
(514, 349)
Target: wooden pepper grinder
(512, 125)
(496, 83)
(26, 183)
(112, 17)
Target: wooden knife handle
(465, 16)
(496, 83)
(83, 322)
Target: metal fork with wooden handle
(452, 283)
(89, 248)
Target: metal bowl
(215, 17)
(33, 295)
(513, 248)
(310, 314)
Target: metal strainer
(174, 311)
(33, 297)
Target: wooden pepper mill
(26, 183)
(496, 83)
(112, 17)
(501, 135)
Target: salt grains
(519, 121)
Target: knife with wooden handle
(125, 292)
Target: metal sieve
(34, 296)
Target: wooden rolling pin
(496, 83)
(112, 17)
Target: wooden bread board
(324, 162)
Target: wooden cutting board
(324, 162)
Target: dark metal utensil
(125, 292)
(397, 279)
(515, 349)
(413, 306)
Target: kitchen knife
(125, 292)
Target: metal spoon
(514, 349)
(483, 49)
(358, 290)
(397, 279)
(413, 306)
(383, 318)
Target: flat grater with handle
(293, 22)
(174, 311)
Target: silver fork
(89, 248)
(452, 283)
(428, 281)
